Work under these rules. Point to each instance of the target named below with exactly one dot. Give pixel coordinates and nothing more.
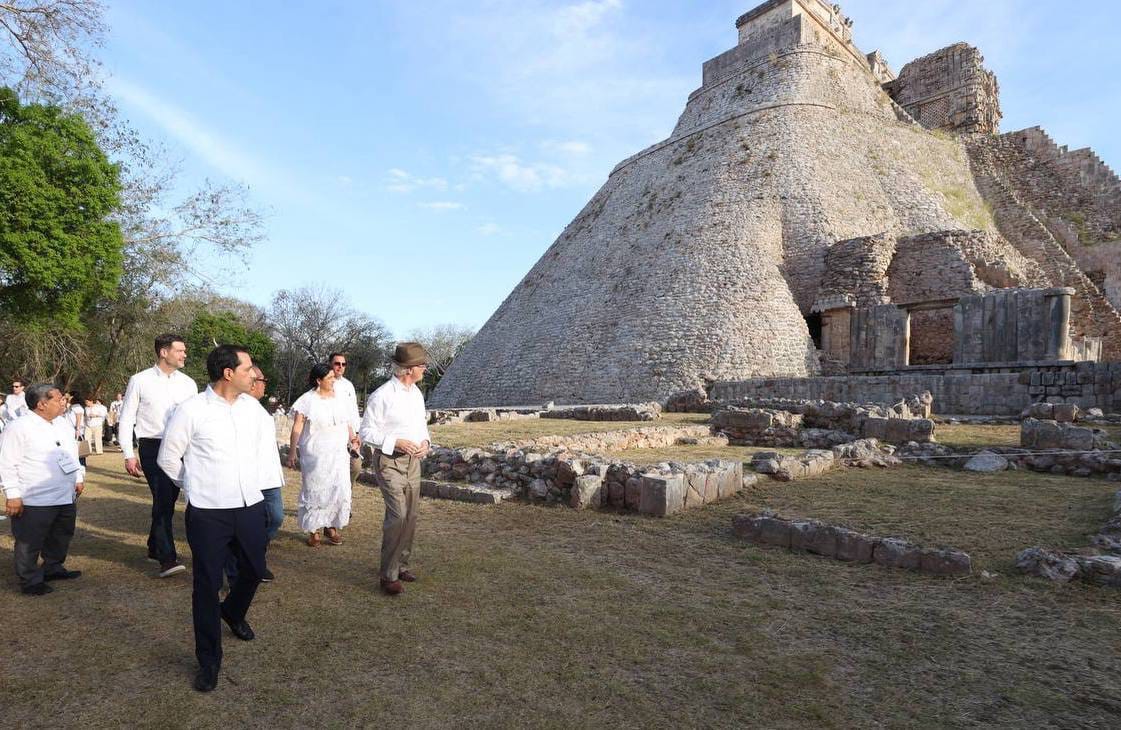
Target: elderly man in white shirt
(396, 424)
(150, 398)
(219, 449)
(42, 479)
(344, 391)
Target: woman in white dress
(320, 432)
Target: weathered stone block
(661, 495)
(921, 430)
(820, 539)
(892, 552)
(853, 546)
(616, 494)
(1047, 564)
(875, 428)
(587, 492)
(945, 562)
(748, 527)
(1078, 438)
(898, 430)
(775, 531)
(632, 493)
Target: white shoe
(177, 568)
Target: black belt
(142, 439)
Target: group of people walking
(219, 448)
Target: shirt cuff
(13, 493)
(389, 445)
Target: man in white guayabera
(150, 398)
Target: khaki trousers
(398, 478)
(94, 437)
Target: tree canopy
(59, 250)
(219, 328)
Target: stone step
(475, 493)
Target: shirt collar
(401, 387)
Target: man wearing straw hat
(396, 425)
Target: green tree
(59, 251)
(217, 328)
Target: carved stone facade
(949, 89)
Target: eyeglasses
(337, 364)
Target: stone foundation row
(840, 543)
(1066, 567)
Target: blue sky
(422, 155)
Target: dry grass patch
(548, 617)
(978, 436)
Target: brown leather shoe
(313, 539)
(391, 587)
(406, 576)
(333, 537)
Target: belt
(142, 439)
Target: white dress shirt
(276, 477)
(221, 454)
(15, 406)
(344, 390)
(393, 412)
(115, 411)
(29, 461)
(150, 398)
(95, 415)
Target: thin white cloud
(520, 176)
(219, 153)
(570, 147)
(401, 181)
(345, 180)
(442, 205)
(490, 229)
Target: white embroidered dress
(324, 462)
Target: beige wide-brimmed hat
(410, 354)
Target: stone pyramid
(702, 257)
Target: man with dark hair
(15, 403)
(42, 479)
(221, 449)
(150, 398)
(344, 391)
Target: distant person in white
(15, 403)
(396, 424)
(344, 391)
(96, 413)
(219, 447)
(76, 414)
(113, 420)
(150, 398)
(42, 479)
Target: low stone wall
(617, 412)
(649, 437)
(583, 481)
(819, 424)
(821, 538)
(814, 462)
(1039, 434)
(967, 390)
(1065, 567)
(442, 416)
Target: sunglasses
(338, 364)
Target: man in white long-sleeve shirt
(344, 391)
(15, 403)
(42, 478)
(219, 447)
(150, 398)
(395, 423)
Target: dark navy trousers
(161, 540)
(213, 534)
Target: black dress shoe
(37, 589)
(63, 575)
(267, 576)
(241, 629)
(206, 679)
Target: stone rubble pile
(1066, 567)
(1036, 434)
(814, 462)
(443, 416)
(689, 401)
(784, 422)
(821, 538)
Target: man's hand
(79, 488)
(422, 450)
(13, 507)
(290, 462)
(132, 466)
(409, 447)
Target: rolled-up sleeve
(176, 437)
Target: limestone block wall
(949, 89)
(1013, 325)
(959, 391)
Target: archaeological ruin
(818, 226)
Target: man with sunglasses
(344, 390)
(15, 403)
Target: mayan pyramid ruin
(809, 206)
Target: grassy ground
(547, 617)
(978, 436)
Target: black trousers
(42, 531)
(213, 534)
(161, 540)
